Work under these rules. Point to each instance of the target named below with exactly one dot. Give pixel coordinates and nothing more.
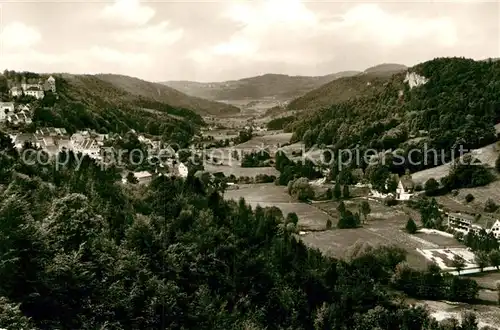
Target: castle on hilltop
(36, 90)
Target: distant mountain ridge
(165, 94)
(278, 86)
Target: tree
(469, 321)
(469, 198)
(392, 184)
(431, 187)
(481, 259)
(328, 224)
(348, 220)
(337, 192)
(292, 218)
(345, 192)
(458, 263)
(131, 178)
(301, 189)
(329, 194)
(411, 226)
(341, 208)
(497, 164)
(494, 257)
(365, 210)
(490, 206)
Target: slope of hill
(269, 85)
(455, 103)
(161, 93)
(369, 82)
(340, 90)
(87, 101)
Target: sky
(224, 40)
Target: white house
(495, 229)
(182, 170)
(405, 188)
(35, 91)
(5, 109)
(465, 223)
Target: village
(17, 114)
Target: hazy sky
(222, 40)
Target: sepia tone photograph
(249, 165)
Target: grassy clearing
(486, 280)
(310, 217)
(241, 171)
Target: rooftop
(462, 216)
(143, 174)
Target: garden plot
(444, 257)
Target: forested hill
(459, 104)
(369, 82)
(341, 90)
(164, 94)
(85, 101)
(81, 251)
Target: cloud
(17, 35)
(369, 22)
(76, 61)
(128, 12)
(155, 35)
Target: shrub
(411, 226)
(490, 206)
(390, 201)
(418, 187)
(431, 187)
(469, 198)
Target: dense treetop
(79, 250)
(459, 105)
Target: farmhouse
(465, 223)
(405, 188)
(460, 222)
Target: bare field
(268, 194)
(481, 195)
(241, 171)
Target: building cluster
(15, 114)
(404, 191)
(54, 140)
(36, 90)
(465, 223)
